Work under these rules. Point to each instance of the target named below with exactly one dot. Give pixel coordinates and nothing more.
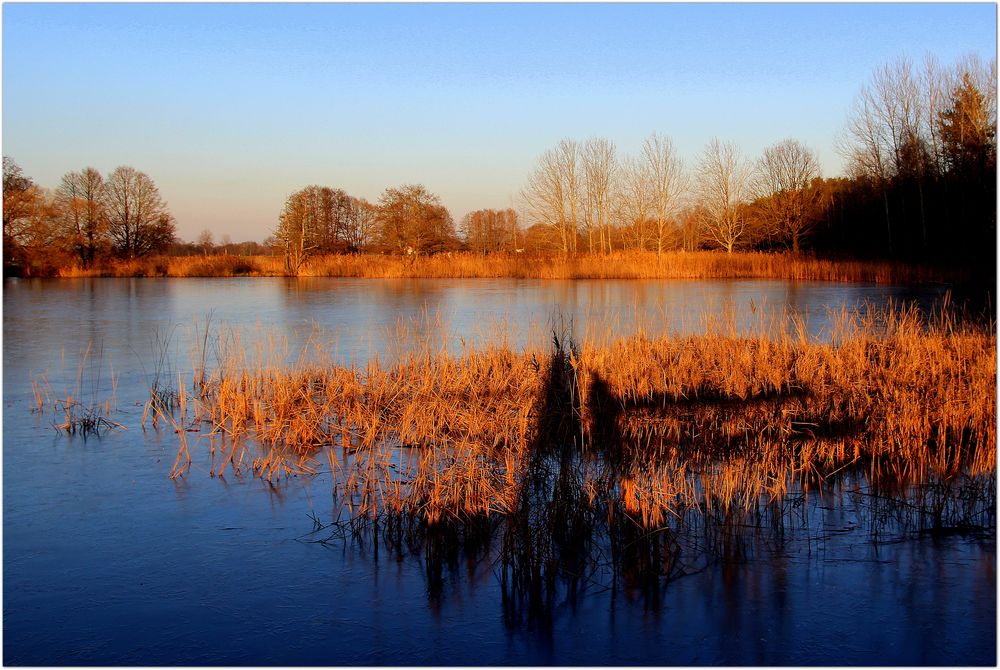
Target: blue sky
(232, 107)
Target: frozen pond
(107, 561)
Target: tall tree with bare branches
(552, 194)
(884, 133)
(783, 186)
(599, 167)
(413, 221)
(723, 187)
(138, 220)
(361, 224)
(634, 202)
(490, 230)
(666, 180)
(82, 199)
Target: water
(108, 561)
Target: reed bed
(178, 266)
(619, 265)
(624, 265)
(663, 426)
(614, 462)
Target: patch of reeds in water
(77, 415)
(717, 419)
(648, 454)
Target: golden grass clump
(83, 412)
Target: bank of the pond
(619, 265)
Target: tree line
(87, 218)
(920, 149)
(921, 155)
(407, 219)
(919, 146)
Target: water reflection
(131, 317)
(773, 595)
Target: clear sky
(232, 107)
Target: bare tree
(599, 167)
(884, 132)
(723, 181)
(300, 228)
(885, 115)
(568, 152)
(320, 219)
(898, 92)
(337, 211)
(490, 230)
(666, 181)
(20, 199)
(205, 241)
(413, 221)
(552, 193)
(933, 83)
(361, 224)
(82, 200)
(783, 187)
(634, 202)
(138, 220)
(545, 199)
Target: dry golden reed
(661, 428)
(81, 410)
(619, 265)
(706, 424)
(177, 266)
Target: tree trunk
(888, 226)
(923, 218)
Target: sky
(230, 108)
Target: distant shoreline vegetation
(467, 265)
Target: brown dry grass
(620, 265)
(660, 427)
(178, 266)
(79, 407)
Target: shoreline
(464, 265)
